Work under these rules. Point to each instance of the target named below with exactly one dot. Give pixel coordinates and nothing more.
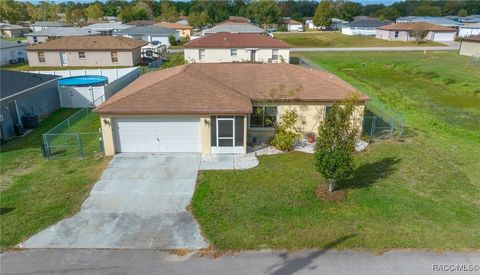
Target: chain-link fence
(380, 121)
(77, 136)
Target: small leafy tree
(286, 131)
(172, 40)
(336, 142)
(419, 32)
(323, 14)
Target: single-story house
(236, 47)
(292, 25)
(12, 52)
(363, 26)
(234, 28)
(10, 31)
(470, 29)
(41, 25)
(335, 25)
(470, 46)
(25, 94)
(86, 51)
(55, 32)
(149, 33)
(183, 30)
(215, 108)
(403, 32)
(470, 18)
(106, 28)
(436, 20)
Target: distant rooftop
(62, 31)
(89, 43)
(430, 19)
(49, 24)
(150, 30)
(236, 40)
(475, 38)
(5, 26)
(235, 28)
(367, 23)
(107, 26)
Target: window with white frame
(233, 52)
(201, 54)
(114, 56)
(263, 117)
(81, 55)
(396, 34)
(35, 39)
(41, 57)
(275, 54)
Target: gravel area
(245, 161)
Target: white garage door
(157, 134)
(444, 36)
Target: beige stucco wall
(470, 48)
(243, 55)
(92, 58)
(310, 117)
(40, 39)
(185, 32)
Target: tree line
(208, 12)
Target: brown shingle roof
(475, 38)
(408, 26)
(174, 26)
(89, 43)
(236, 40)
(227, 88)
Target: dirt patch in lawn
(335, 196)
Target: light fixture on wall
(106, 121)
(206, 121)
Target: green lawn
(35, 192)
(337, 40)
(421, 193)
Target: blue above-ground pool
(84, 80)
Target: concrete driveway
(139, 202)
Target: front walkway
(139, 202)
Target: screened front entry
(227, 134)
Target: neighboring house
(234, 28)
(55, 32)
(404, 32)
(363, 26)
(442, 21)
(111, 19)
(292, 25)
(235, 47)
(10, 31)
(335, 25)
(140, 23)
(470, 46)
(25, 94)
(149, 34)
(215, 108)
(42, 25)
(183, 30)
(86, 51)
(106, 28)
(470, 19)
(237, 19)
(12, 52)
(470, 29)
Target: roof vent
(226, 39)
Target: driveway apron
(139, 202)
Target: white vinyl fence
(80, 97)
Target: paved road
(139, 202)
(83, 261)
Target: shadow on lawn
(292, 265)
(369, 173)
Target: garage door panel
(157, 134)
